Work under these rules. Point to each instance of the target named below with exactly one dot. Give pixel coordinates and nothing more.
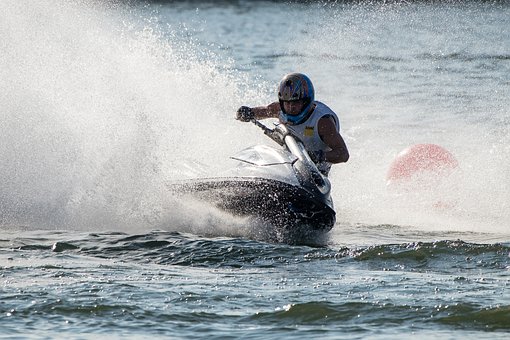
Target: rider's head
(296, 96)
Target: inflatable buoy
(421, 160)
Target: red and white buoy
(425, 163)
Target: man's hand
(245, 114)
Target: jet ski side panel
(278, 203)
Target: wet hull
(281, 204)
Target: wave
(465, 57)
(108, 277)
(355, 314)
(174, 248)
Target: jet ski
(280, 186)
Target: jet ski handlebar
(278, 134)
(281, 135)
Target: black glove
(245, 114)
(318, 156)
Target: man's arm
(332, 138)
(270, 111)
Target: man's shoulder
(326, 113)
(322, 108)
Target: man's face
(294, 107)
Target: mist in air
(103, 105)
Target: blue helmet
(293, 87)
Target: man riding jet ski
(283, 186)
(312, 122)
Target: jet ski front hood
(263, 155)
(262, 161)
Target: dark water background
(103, 104)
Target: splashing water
(403, 75)
(98, 110)
(102, 105)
